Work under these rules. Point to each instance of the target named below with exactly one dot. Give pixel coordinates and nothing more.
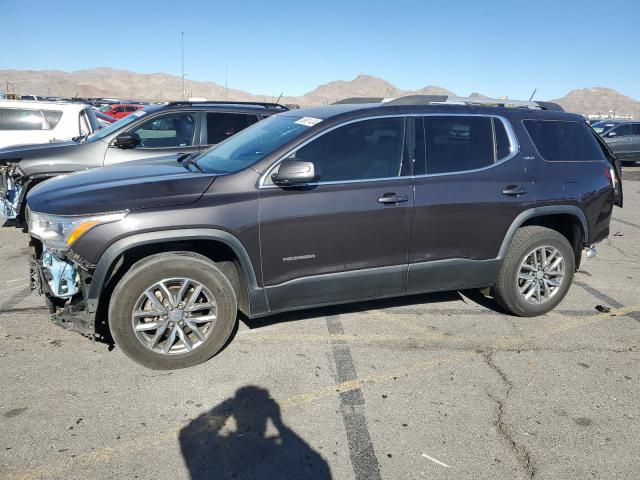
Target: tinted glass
(53, 117)
(175, 130)
(635, 129)
(503, 144)
(21, 119)
(221, 126)
(564, 141)
(458, 143)
(362, 150)
(601, 127)
(622, 130)
(252, 144)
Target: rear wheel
(172, 310)
(536, 272)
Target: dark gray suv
(322, 206)
(161, 129)
(622, 137)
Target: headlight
(60, 231)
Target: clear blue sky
(496, 47)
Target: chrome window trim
(513, 140)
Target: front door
(344, 237)
(168, 134)
(471, 185)
(620, 140)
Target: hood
(133, 185)
(19, 152)
(47, 157)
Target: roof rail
(474, 100)
(216, 102)
(357, 100)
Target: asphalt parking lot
(440, 386)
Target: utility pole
(226, 82)
(182, 48)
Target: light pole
(182, 48)
(226, 82)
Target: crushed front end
(12, 185)
(60, 273)
(64, 284)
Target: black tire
(524, 241)
(153, 269)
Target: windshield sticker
(308, 121)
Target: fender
(539, 212)
(257, 297)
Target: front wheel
(172, 310)
(536, 272)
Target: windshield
(252, 144)
(601, 127)
(115, 126)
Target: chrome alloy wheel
(174, 316)
(541, 274)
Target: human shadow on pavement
(214, 447)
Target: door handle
(392, 199)
(514, 190)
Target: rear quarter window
(564, 141)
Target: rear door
(345, 236)
(619, 140)
(166, 134)
(471, 186)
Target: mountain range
(124, 84)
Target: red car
(121, 110)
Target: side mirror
(294, 172)
(127, 140)
(611, 134)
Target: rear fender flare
(539, 212)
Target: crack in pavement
(522, 454)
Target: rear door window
(564, 141)
(635, 129)
(21, 119)
(53, 117)
(461, 143)
(221, 126)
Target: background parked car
(104, 120)
(32, 97)
(28, 122)
(623, 138)
(158, 130)
(122, 110)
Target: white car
(27, 122)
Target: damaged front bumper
(11, 191)
(64, 285)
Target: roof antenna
(278, 100)
(532, 95)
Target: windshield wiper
(80, 138)
(189, 159)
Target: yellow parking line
(144, 442)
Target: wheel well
(565, 224)
(217, 251)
